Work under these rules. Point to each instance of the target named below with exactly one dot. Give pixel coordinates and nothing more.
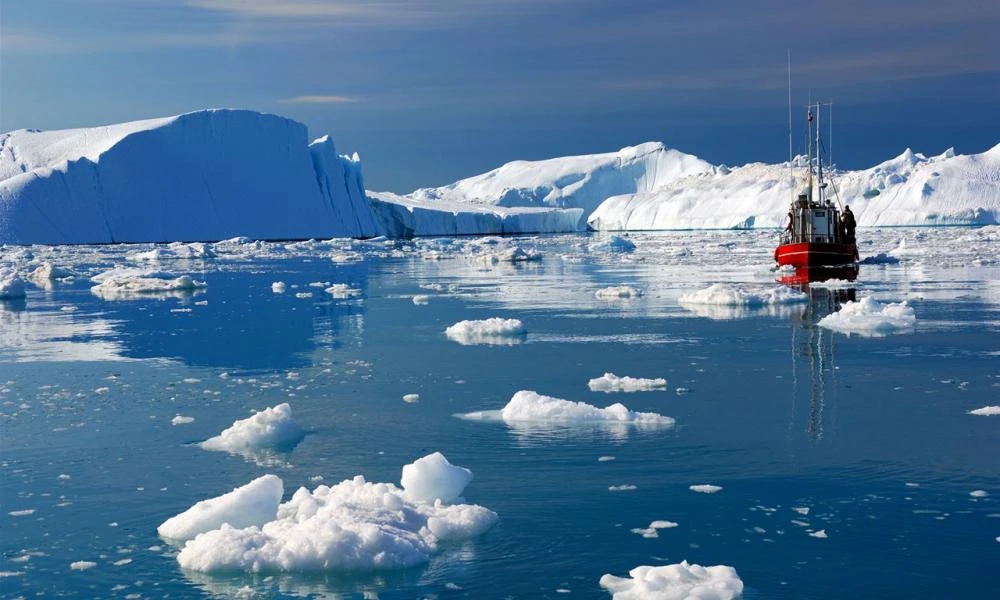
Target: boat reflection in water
(813, 347)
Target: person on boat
(848, 223)
(788, 227)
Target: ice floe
(609, 382)
(652, 530)
(11, 285)
(871, 318)
(255, 503)
(986, 411)
(351, 526)
(495, 331)
(681, 581)
(617, 292)
(705, 488)
(528, 406)
(271, 429)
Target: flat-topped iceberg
(200, 176)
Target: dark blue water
(871, 435)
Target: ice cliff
(205, 175)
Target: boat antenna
(791, 172)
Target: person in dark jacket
(848, 223)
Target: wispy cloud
(318, 99)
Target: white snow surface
(205, 175)
(869, 317)
(353, 525)
(495, 330)
(255, 503)
(911, 189)
(681, 581)
(270, 428)
(609, 382)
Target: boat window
(820, 213)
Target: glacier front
(200, 176)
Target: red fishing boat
(818, 233)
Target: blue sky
(430, 91)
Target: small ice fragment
(181, 420)
(979, 493)
(82, 565)
(819, 534)
(411, 398)
(705, 488)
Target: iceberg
(201, 176)
(909, 190)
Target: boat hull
(815, 254)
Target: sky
(431, 91)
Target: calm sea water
(871, 435)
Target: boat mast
(791, 172)
(819, 157)
(809, 120)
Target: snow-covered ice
(134, 287)
(255, 503)
(270, 429)
(728, 294)
(986, 411)
(609, 382)
(871, 318)
(531, 407)
(618, 291)
(681, 581)
(351, 526)
(705, 488)
(11, 285)
(495, 330)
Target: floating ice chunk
(434, 478)
(49, 272)
(11, 285)
(979, 493)
(529, 406)
(652, 531)
(705, 488)
(986, 411)
(494, 331)
(618, 291)
(278, 287)
(421, 299)
(609, 382)
(682, 581)
(342, 291)
(620, 244)
(82, 565)
(870, 318)
(622, 488)
(509, 255)
(271, 428)
(127, 288)
(181, 420)
(879, 259)
(833, 284)
(411, 398)
(821, 534)
(255, 503)
(728, 294)
(354, 525)
(27, 512)
(802, 510)
(605, 458)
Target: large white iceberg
(911, 189)
(205, 175)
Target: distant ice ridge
(353, 525)
(495, 331)
(681, 581)
(527, 406)
(870, 318)
(911, 189)
(576, 183)
(205, 175)
(609, 382)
